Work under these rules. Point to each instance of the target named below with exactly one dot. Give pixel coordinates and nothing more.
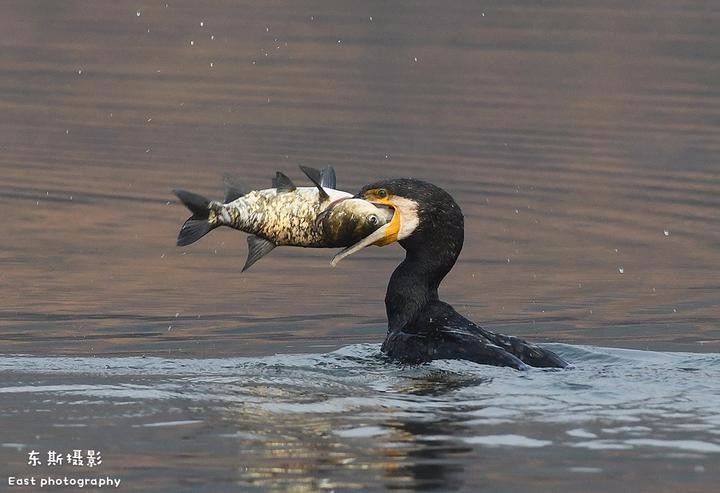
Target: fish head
(349, 220)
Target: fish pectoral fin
(257, 249)
(282, 183)
(234, 189)
(316, 177)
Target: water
(581, 142)
(350, 419)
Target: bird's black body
(420, 326)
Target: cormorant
(429, 225)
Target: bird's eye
(381, 193)
(373, 219)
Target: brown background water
(580, 138)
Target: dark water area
(580, 139)
(351, 420)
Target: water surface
(350, 419)
(580, 139)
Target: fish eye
(381, 193)
(373, 219)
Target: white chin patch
(409, 220)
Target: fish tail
(203, 220)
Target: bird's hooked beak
(382, 236)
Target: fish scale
(286, 217)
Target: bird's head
(424, 215)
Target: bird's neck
(414, 283)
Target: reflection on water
(349, 419)
(579, 138)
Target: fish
(377, 237)
(284, 215)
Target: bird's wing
(531, 354)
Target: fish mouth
(391, 229)
(382, 236)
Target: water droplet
(339, 41)
(267, 29)
(415, 59)
(666, 232)
(138, 13)
(517, 211)
(192, 43)
(371, 19)
(312, 17)
(212, 64)
(212, 36)
(177, 314)
(79, 71)
(202, 23)
(621, 269)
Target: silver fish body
(285, 218)
(285, 215)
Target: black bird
(429, 225)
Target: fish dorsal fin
(234, 189)
(327, 177)
(315, 177)
(257, 249)
(282, 183)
